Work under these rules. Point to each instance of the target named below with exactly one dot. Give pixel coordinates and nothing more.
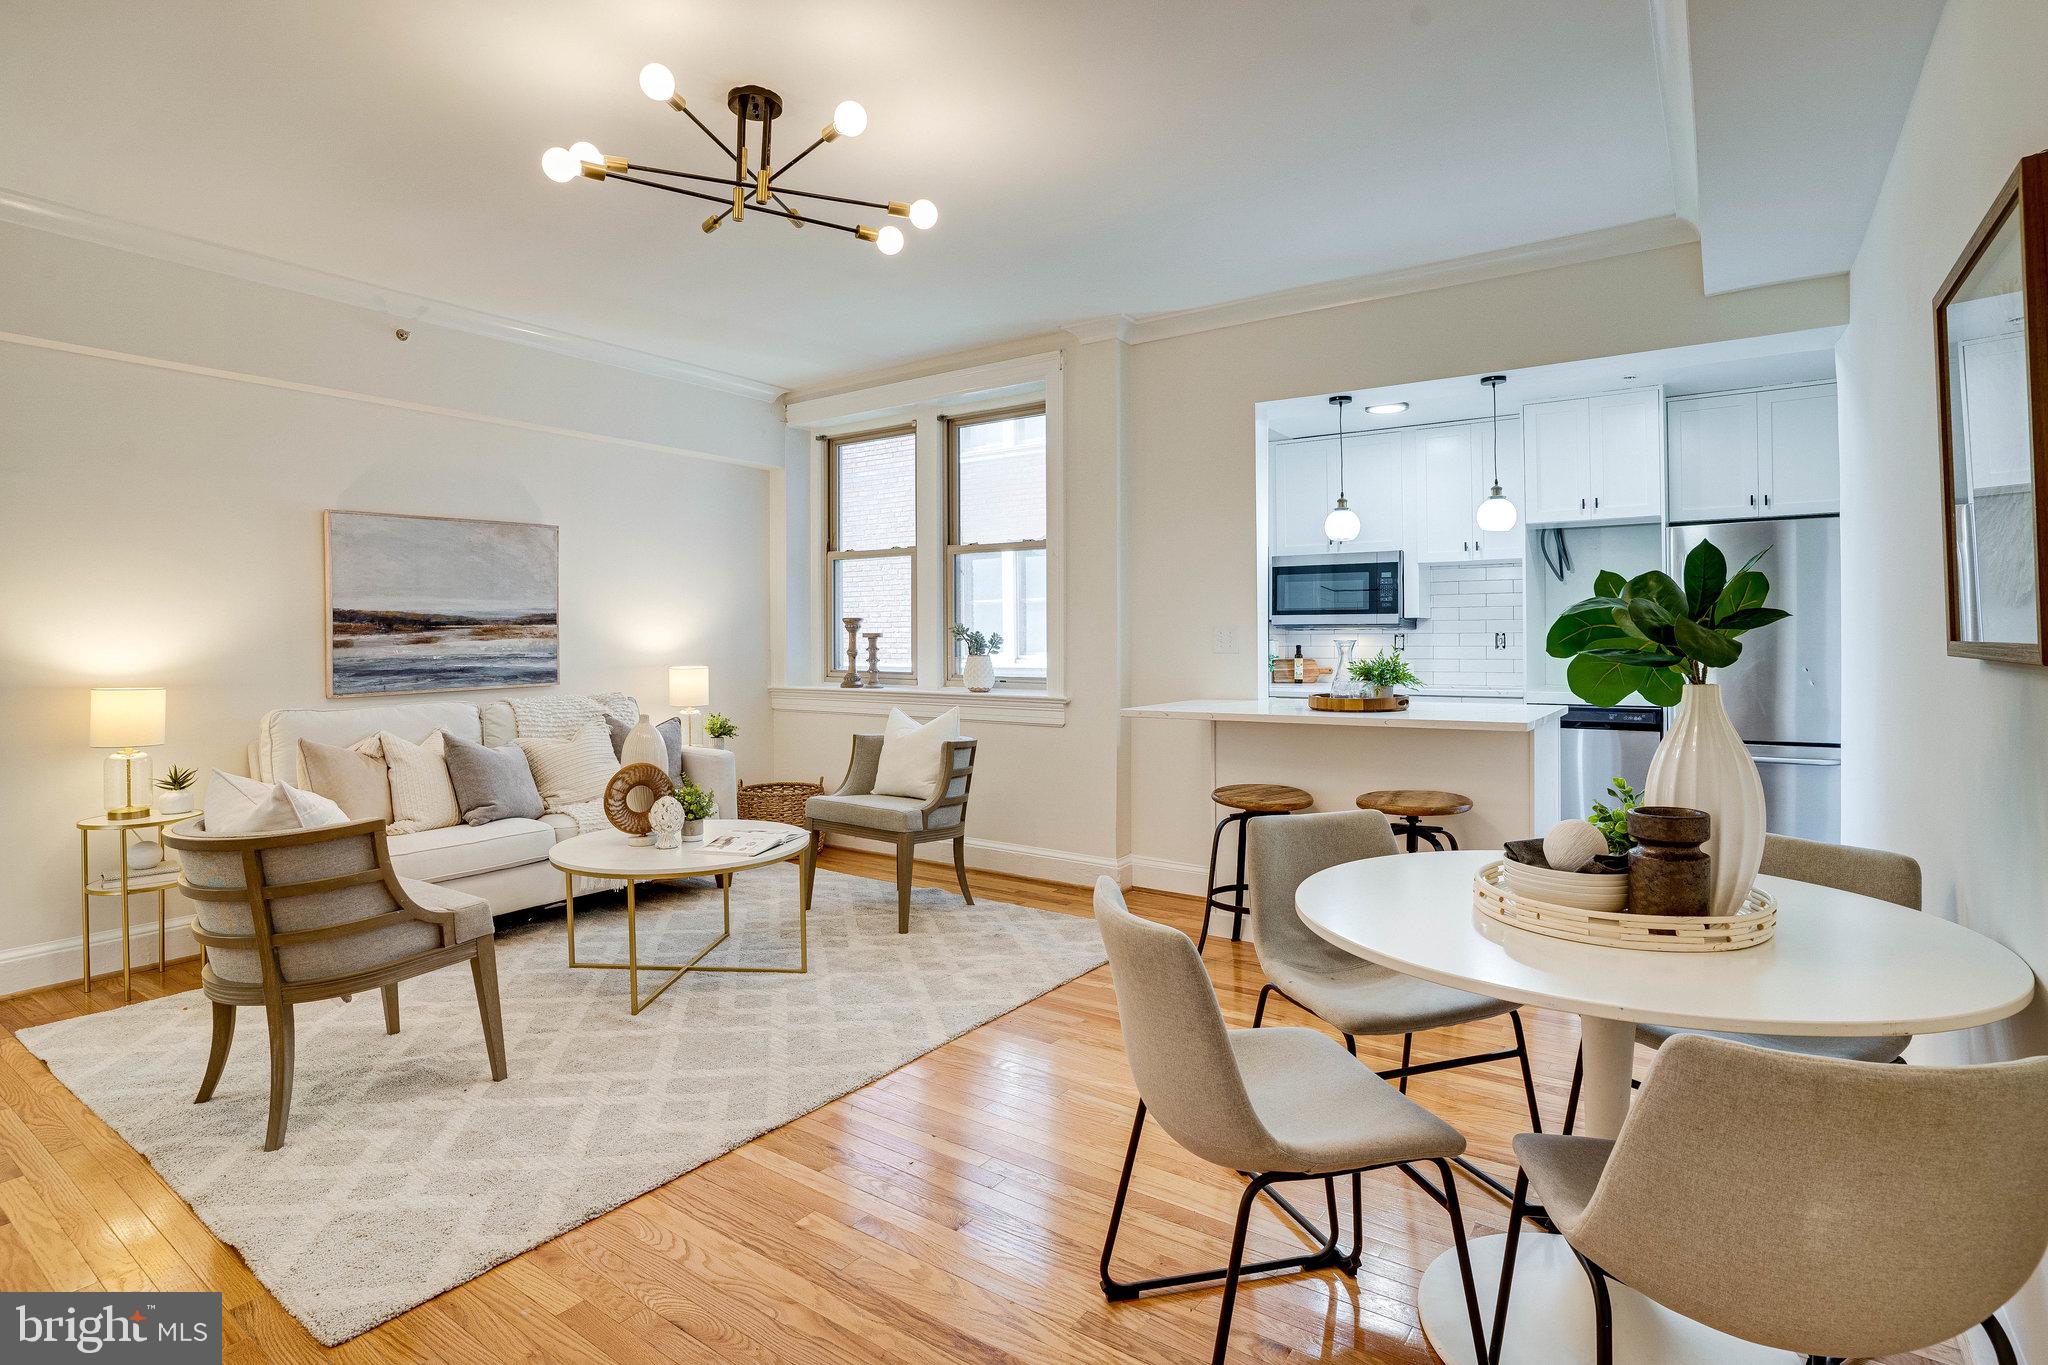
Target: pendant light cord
(1493, 391)
(1340, 453)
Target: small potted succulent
(1382, 673)
(698, 806)
(979, 669)
(718, 730)
(176, 786)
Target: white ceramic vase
(644, 744)
(1704, 764)
(173, 803)
(693, 832)
(980, 673)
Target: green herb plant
(177, 779)
(1385, 669)
(1612, 821)
(718, 727)
(697, 803)
(977, 644)
(1648, 635)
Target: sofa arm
(715, 771)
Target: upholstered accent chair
(1880, 1210)
(317, 914)
(1275, 1105)
(855, 811)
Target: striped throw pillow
(572, 770)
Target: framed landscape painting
(439, 604)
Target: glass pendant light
(1341, 525)
(1496, 513)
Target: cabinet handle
(1582, 504)
(1767, 499)
(1596, 502)
(1752, 499)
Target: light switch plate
(1225, 640)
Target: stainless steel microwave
(1338, 590)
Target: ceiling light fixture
(1496, 513)
(1341, 526)
(1387, 409)
(760, 185)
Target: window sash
(835, 633)
(955, 547)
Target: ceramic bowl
(1605, 891)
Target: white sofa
(506, 861)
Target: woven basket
(1755, 923)
(779, 801)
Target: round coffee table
(612, 855)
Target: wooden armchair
(855, 810)
(315, 914)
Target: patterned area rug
(406, 1171)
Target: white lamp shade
(689, 685)
(1341, 525)
(126, 717)
(1495, 514)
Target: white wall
(162, 526)
(1942, 758)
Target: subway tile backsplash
(1471, 642)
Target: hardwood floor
(951, 1211)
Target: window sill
(1007, 706)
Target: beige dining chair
(1839, 1209)
(1346, 992)
(317, 914)
(1278, 1104)
(1865, 871)
(904, 821)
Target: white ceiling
(1089, 157)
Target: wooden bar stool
(1245, 800)
(1405, 809)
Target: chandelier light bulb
(923, 213)
(586, 151)
(850, 119)
(889, 240)
(1496, 513)
(657, 82)
(559, 165)
(1341, 525)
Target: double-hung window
(995, 568)
(871, 490)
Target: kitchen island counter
(1423, 713)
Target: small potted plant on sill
(718, 730)
(1382, 673)
(176, 786)
(979, 670)
(698, 806)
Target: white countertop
(1423, 713)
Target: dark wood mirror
(1991, 342)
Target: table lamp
(125, 719)
(689, 687)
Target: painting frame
(550, 607)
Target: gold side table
(122, 883)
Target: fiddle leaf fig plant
(1651, 636)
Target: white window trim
(923, 403)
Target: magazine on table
(749, 843)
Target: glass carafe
(1344, 685)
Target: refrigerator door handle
(1797, 762)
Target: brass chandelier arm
(896, 209)
(721, 199)
(796, 219)
(783, 169)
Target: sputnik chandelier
(762, 184)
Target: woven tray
(780, 801)
(1755, 923)
(1324, 701)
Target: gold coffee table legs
(633, 966)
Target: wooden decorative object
(1324, 701)
(874, 639)
(852, 624)
(631, 793)
(1311, 671)
(1756, 923)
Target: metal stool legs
(1416, 833)
(1214, 899)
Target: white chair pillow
(912, 754)
(422, 794)
(243, 805)
(573, 770)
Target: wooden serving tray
(1323, 701)
(1755, 923)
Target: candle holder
(874, 639)
(852, 624)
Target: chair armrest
(717, 772)
(443, 908)
(956, 776)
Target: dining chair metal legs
(1326, 1255)
(1603, 1311)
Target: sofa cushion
(574, 769)
(491, 783)
(353, 778)
(894, 813)
(437, 855)
(422, 796)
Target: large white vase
(644, 744)
(1704, 764)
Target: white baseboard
(34, 965)
(1163, 874)
(1019, 860)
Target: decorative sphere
(144, 854)
(1572, 844)
(666, 816)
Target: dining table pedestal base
(1550, 1314)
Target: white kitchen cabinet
(1451, 474)
(1302, 495)
(1595, 459)
(1379, 489)
(1303, 484)
(1756, 453)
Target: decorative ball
(665, 818)
(1572, 844)
(144, 854)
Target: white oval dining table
(1840, 964)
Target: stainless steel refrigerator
(1785, 693)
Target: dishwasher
(1600, 743)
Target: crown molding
(1672, 31)
(29, 211)
(1110, 327)
(1626, 240)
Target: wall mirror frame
(1991, 356)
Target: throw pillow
(242, 805)
(671, 732)
(353, 778)
(492, 783)
(422, 797)
(573, 770)
(911, 754)
(618, 729)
